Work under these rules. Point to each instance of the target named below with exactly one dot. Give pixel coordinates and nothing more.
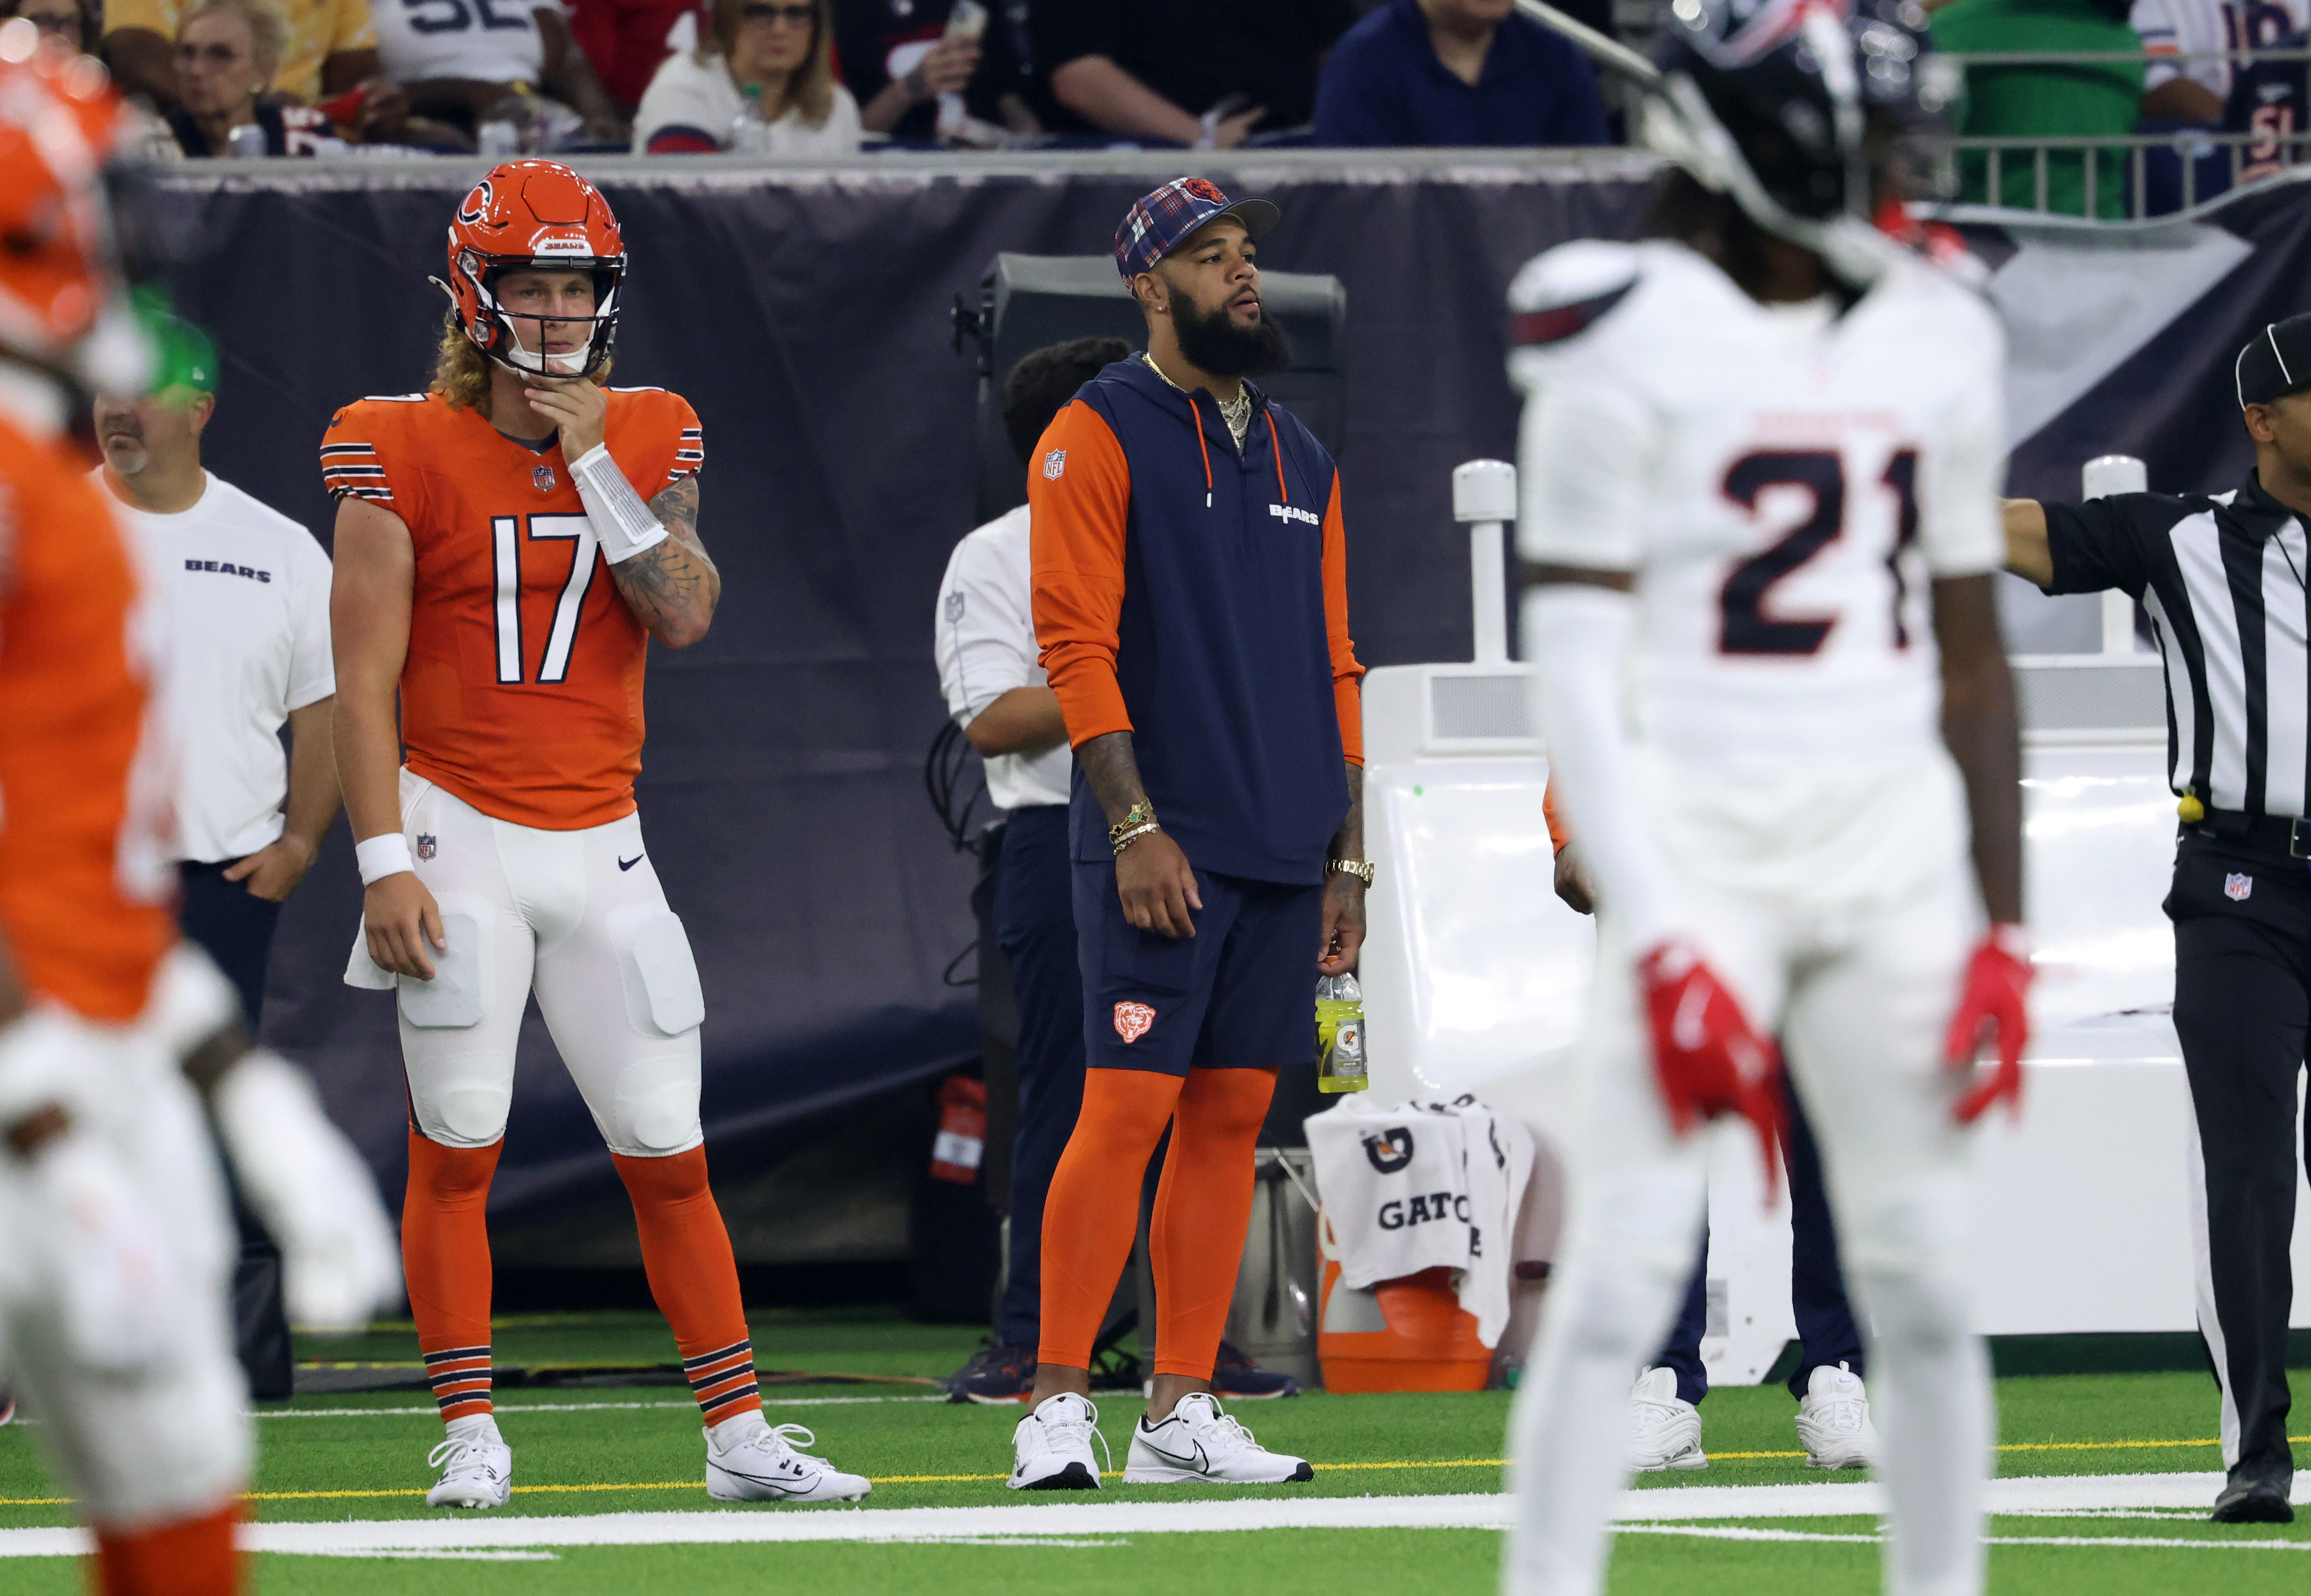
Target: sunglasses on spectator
(215, 55)
(801, 16)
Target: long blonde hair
(810, 87)
(461, 371)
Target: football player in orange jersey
(115, 1246)
(506, 544)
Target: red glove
(1707, 1057)
(1992, 1007)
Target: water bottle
(1339, 1035)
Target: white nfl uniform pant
(578, 918)
(1841, 913)
(142, 1404)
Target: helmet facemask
(1850, 109)
(496, 331)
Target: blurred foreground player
(114, 1240)
(1760, 458)
(1190, 598)
(505, 856)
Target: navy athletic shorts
(1240, 994)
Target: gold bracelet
(1142, 813)
(1131, 836)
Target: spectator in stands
(1201, 72)
(764, 83)
(510, 64)
(1457, 73)
(227, 51)
(2201, 90)
(899, 59)
(73, 23)
(331, 48)
(627, 41)
(2085, 99)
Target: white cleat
(1051, 1446)
(1664, 1429)
(1199, 1441)
(756, 1462)
(476, 1468)
(1833, 1421)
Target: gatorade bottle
(1339, 1035)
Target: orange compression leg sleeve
(190, 1558)
(693, 1278)
(1203, 1206)
(1093, 1209)
(445, 1255)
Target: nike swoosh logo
(1194, 1460)
(628, 864)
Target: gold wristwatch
(1361, 869)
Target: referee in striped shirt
(2222, 579)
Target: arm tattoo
(675, 580)
(1113, 773)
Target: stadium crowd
(813, 78)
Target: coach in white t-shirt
(246, 593)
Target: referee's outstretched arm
(2026, 553)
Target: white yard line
(1640, 1512)
(1729, 1533)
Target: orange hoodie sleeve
(1078, 498)
(1348, 700)
(1558, 836)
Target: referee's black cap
(2275, 362)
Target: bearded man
(1190, 604)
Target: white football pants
(142, 1402)
(578, 917)
(1858, 976)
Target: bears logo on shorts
(1132, 1020)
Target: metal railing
(2238, 158)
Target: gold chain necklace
(1236, 415)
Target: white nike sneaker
(1833, 1421)
(476, 1467)
(1664, 1429)
(1051, 1446)
(1201, 1442)
(757, 1463)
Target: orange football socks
(1202, 1207)
(445, 1255)
(191, 1558)
(693, 1278)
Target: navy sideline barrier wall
(804, 312)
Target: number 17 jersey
(1782, 482)
(522, 689)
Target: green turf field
(586, 1458)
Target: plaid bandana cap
(1159, 223)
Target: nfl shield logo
(1132, 1020)
(426, 846)
(544, 477)
(2237, 887)
(1055, 465)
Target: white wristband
(382, 856)
(622, 522)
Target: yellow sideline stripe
(692, 1485)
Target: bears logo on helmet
(534, 216)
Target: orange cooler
(1406, 1334)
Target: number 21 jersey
(522, 691)
(1784, 482)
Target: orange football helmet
(534, 216)
(63, 304)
